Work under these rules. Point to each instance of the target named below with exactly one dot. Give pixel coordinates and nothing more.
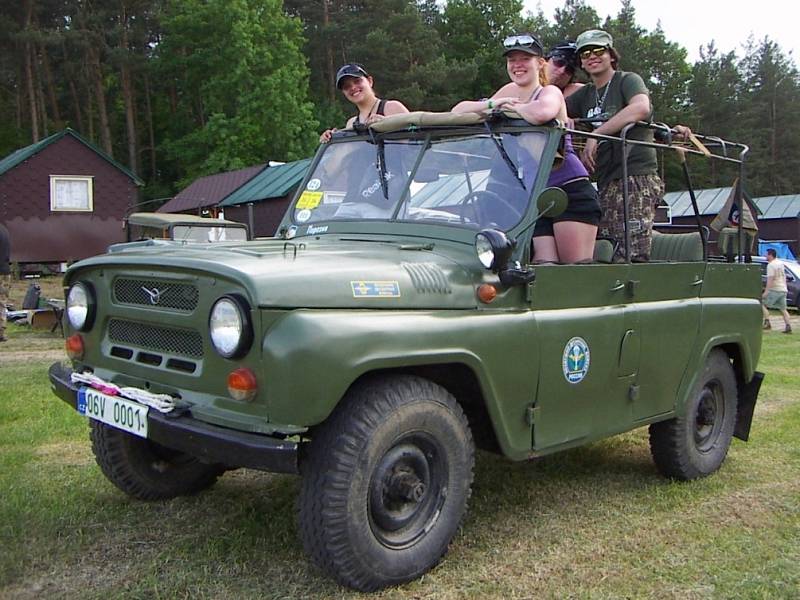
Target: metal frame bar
(708, 141)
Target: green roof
(23, 154)
(273, 182)
(711, 201)
(779, 207)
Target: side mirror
(551, 202)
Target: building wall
(267, 215)
(39, 235)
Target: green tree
(572, 19)
(474, 30)
(241, 85)
(714, 109)
(770, 117)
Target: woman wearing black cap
(562, 61)
(356, 85)
(569, 237)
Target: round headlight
(229, 327)
(493, 248)
(80, 306)
(484, 249)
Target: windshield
(476, 181)
(208, 233)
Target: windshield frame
(420, 228)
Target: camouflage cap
(594, 37)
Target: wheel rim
(709, 416)
(407, 490)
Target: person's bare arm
(392, 107)
(547, 106)
(500, 99)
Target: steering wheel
(490, 207)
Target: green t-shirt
(589, 102)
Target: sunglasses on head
(518, 40)
(592, 52)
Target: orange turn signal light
(74, 347)
(487, 292)
(242, 384)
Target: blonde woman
(569, 237)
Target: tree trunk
(76, 103)
(326, 19)
(150, 130)
(96, 73)
(51, 88)
(29, 85)
(40, 92)
(127, 95)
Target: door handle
(697, 282)
(617, 286)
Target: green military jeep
(395, 324)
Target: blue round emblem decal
(575, 362)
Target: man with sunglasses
(611, 101)
(562, 60)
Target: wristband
(490, 104)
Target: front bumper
(207, 442)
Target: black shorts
(582, 206)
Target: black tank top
(381, 106)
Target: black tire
(386, 482)
(146, 470)
(695, 443)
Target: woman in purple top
(569, 237)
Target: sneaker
(767, 324)
(788, 329)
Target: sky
(694, 23)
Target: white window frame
(55, 179)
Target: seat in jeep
(677, 247)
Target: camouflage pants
(5, 289)
(645, 192)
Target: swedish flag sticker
(375, 289)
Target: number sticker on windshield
(309, 200)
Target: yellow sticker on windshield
(309, 200)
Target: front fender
(312, 357)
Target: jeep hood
(318, 272)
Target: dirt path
(28, 349)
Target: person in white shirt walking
(775, 291)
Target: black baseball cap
(524, 42)
(350, 70)
(566, 49)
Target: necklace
(600, 102)
(370, 113)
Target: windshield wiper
(502, 149)
(381, 164)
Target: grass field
(597, 522)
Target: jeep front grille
(153, 292)
(182, 342)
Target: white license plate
(115, 411)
